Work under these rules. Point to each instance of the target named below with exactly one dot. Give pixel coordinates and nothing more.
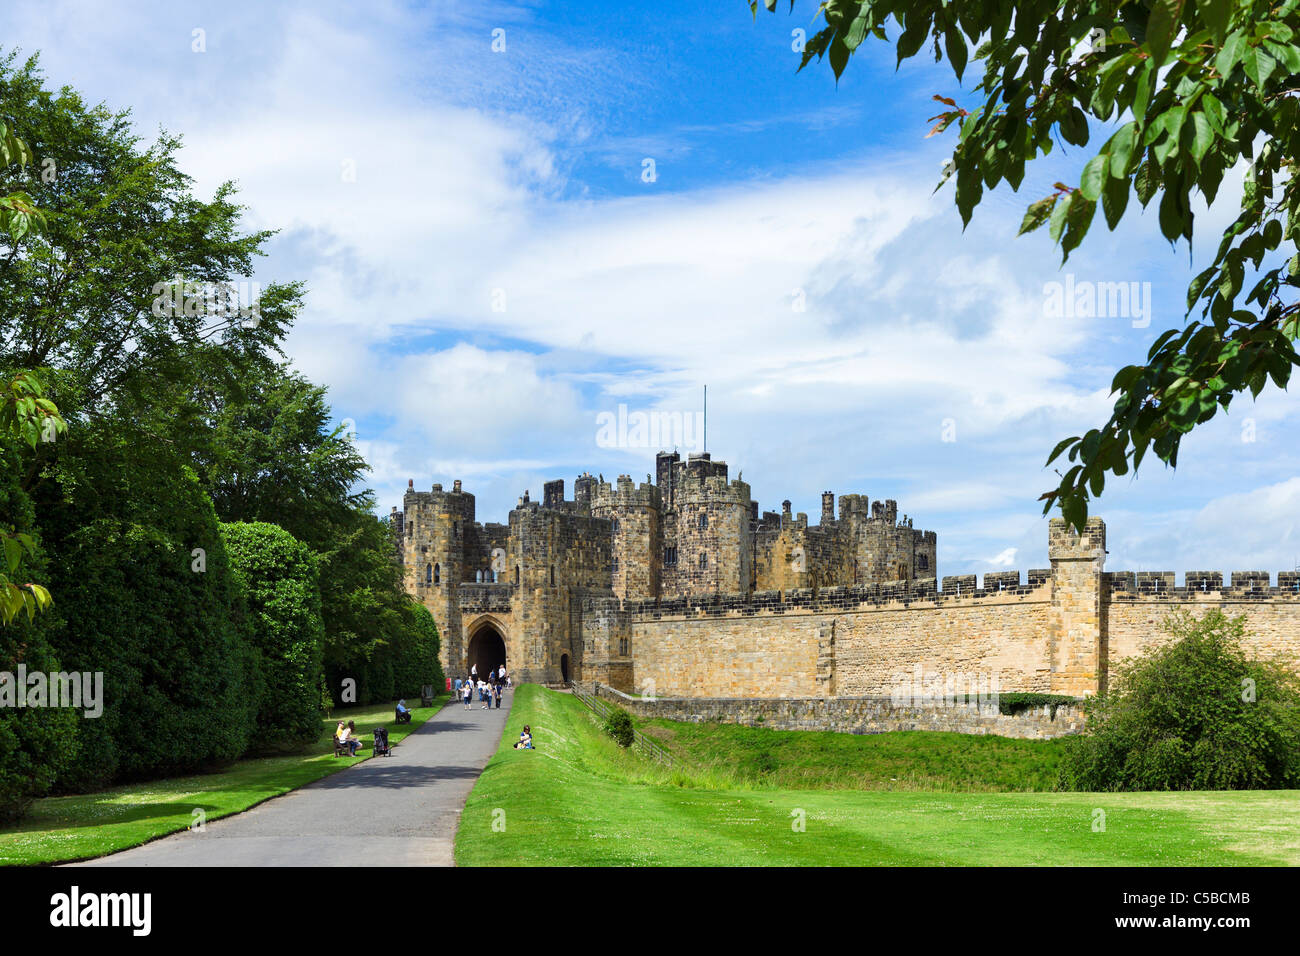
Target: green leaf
(1058, 216)
(1120, 149)
(1146, 181)
(1162, 26)
(1230, 54)
(1215, 14)
(1093, 180)
(1115, 200)
(955, 44)
(1037, 214)
(1202, 136)
(1077, 220)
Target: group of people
(489, 690)
(346, 735)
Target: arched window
(615, 526)
(552, 575)
(428, 573)
(704, 560)
(516, 574)
(704, 522)
(437, 574)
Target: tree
(1188, 90)
(118, 294)
(266, 452)
(1195, 714)
(279, 578)
(25, 412)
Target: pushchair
(382, 747)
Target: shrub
(278, 575)
(1016, 702)
(1195, 714)
(619, 726)
(36, 744)
(415, 653)
(181, 687)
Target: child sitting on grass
(525, 741)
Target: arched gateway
(486, 650)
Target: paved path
(386, 811)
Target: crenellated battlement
(999, 587)
(624, 494)
(1241, 585)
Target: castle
(689, 534)
(679, 587)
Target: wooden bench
(341, 748)
(426, 695)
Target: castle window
(613, 566)
(624, 647)
(923, 562)
(704, 560)
(428, 573)
(552, 575)
(670, 557)
(437, 574)
(516, 574)
(703, 522)
(615, 526)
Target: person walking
(496, 693)
(465, 693)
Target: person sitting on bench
(403, 715)
(351, 739)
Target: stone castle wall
(852, 715)
(1061, 632)
(583, 588)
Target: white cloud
(462, 163)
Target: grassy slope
(60, 829)
(756, 757)
(579, 800)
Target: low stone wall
(851, 715)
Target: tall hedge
(279, 577)
(147, 596)
(36, 744)
(415, 653)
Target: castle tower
(436, 525)
(636, 535)
(709, 532)
(1076, 618)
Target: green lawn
(580, 800)
(758, 758)
(60, 829)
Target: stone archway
(486, 651)
(564, 668)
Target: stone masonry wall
(853, 715)
(855, 641)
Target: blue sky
(490, 270)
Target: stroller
(382, 747)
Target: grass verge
(758, 758)
(80, 827)
(579, 799)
